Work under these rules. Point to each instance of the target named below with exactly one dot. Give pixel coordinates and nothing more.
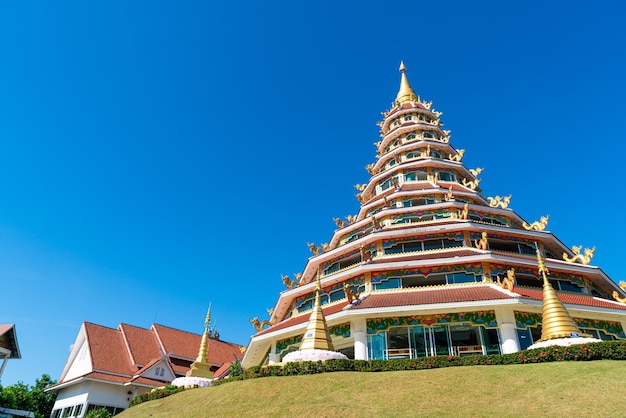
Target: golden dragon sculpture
(584, 258)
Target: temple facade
(429, 266)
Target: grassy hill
(572, 389)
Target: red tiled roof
(303, 318)
(108, 350)
(185, 344)
(112, 350)
(142, 344)
(571, 299)
(8, 340)
(222, 371)
(425, 297)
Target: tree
(98, 413)
(29, 398)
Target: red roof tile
(430, 296)
(185, 344)
(571, 299)
(108, 350)
(112, 350)
(303, 318)
(142, 344)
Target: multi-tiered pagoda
(429, 266)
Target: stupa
(316, 343)
(430, 266)
(558, 327)
(199, 373)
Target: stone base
(564, 342)
(190, 382)
(313, 355)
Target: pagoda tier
(424, 232)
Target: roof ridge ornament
(406, 93)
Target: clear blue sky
(155, 156)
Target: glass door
(440, 340)
(420, 341)
(377, 346)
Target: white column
(273, 356)
(508, 334)
(358, 329)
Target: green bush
(608, 350)
(156, 393)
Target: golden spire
(201, 367)
(406, 93)
(556, 322)
(316, 336)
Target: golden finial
(201, 367)
(406, 93)
(543, 270)
(207, 320)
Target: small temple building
(430, 266)
(107, 367)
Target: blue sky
(156, 156)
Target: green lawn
(559, 389)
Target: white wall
(81, 364)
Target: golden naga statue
(427, 105)
(360, 198)
(259, 325)
(463, 214)
(509, 282)
(471, 184)
(537, 225)
(438, 114)
(291, 283)
(622, 285)
(435, 178)
(376, 223)
(476, 171)
(458, 157)
(482, 243)
(365, 255)
(370, 168)
(351, 294)
(377, 144)
(340, 224)
(449, 195)
(498, 201)
(360, 187)
(317, 250)
(445, 138)
(584, 258)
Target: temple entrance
(437, 340)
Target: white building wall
(81, 364)
(109, 394)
